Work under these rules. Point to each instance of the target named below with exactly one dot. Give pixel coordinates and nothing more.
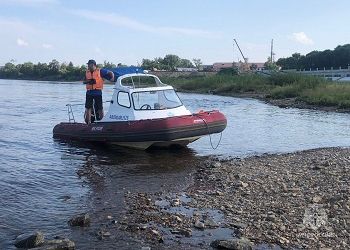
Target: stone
(196, 213)
(271, 217)
(177, 218)
(80, 220)
(216, 164)
(317, 199)
(283, 240)
(155, 232)
(103, 234)
(236, 244)
(62, 244)
(186, 232)
(29, 240)
(175, 202)
(106, 234)
(65, 197)
(210, 223)
(199, 225)
(239, 225)
(243, 184)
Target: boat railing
(69, 106)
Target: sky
(126, 31)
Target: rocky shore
(294, 103)
(295, 200)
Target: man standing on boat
(94, 85)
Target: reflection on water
(44, 181)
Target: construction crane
(245, 66)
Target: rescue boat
(143, 112)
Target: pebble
(243, 184)
(29, 240)
(210, 223)
(175, 202)
(238, 244)
(177, 218)
(82, 220)
(317, 199)
(199, 225)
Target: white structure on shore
(224, 65)
(340, 74)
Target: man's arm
(107, 74)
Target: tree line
(339, 57)
(52, 71)
(170, 63)
(56, 71)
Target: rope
(206, 124)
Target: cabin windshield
(156, 100)
(140, 81)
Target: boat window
(123, 99)
(139, 81)
(156, 100)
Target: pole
(272, 51)
(233, 54)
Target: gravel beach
(295, 200)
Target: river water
(43, 182)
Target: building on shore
(225, 65)
(186, 69)
(334, 74)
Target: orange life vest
(94, 75)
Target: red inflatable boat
(163, 132)
(141, 117)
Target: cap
(91, 61)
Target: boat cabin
(139, 96)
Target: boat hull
(164, 132)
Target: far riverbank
(283, 90)
(280, 89)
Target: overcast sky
(127, 31)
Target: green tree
(185, 63)
(148, 64)
(10, 70)
(339, 57)
(41, 69)
(122, 65)
(54, 67)
(253, 66)
(269, 65)
(171, 62)
(108, 65)
(197, 63)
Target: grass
(328, 95)
(219, 84)
(309, 89)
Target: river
(44, 182)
